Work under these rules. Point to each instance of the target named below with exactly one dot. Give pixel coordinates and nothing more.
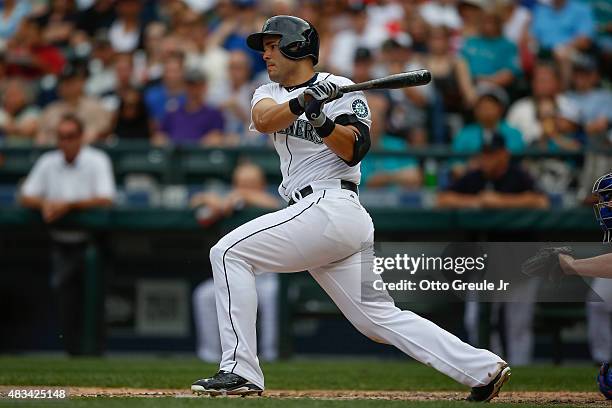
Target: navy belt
(345, 185)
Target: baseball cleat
(225, 383)
(487, 392)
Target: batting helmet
(603, 208)
(299, 39)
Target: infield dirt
(529, 397)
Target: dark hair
(548, 64)
(69, 117)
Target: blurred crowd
(178, 72)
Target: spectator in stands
(471, 15)
(171, 12)
(28, 55)
(194, 122)
(242, 19)
(409, 106)
(495, 182)
(345, 43)
(490, 56)
(593, 101)
(516, 19)
(536, 116)
(72, 100)
(363, 64)
(170, 93)
(205, 55)
(132, 120)
(11, 13)
(58, 22)
(125, 34)
(417, 29)
(562, 28)
(489, 113)
(18, 117)
(603, 16)
(75, 177)
(101, 78)
(453, 82)
(122, 77)
(189, 22)
(560, 124)
(387, 171)
(234, 100)
(248, 190)
(99, 16)
(441, 13)
(158, 48)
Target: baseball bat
(402, 80)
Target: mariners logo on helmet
(603, 208)
(299, 39)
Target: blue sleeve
(464, 54)
(219, 122)
(586, 22)
(512, 58)
(609, 105)
(514, 139)
(165, 124)
(535, 26)
(461, 144)
(461, 141)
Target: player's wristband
(295, 107)
(326, 128)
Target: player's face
(276, 63)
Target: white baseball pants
(325, 233)
(208, 345)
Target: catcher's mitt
(604, 380)
(545, 263)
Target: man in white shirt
(74, 177)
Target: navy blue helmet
(603, 208)
(299, 39)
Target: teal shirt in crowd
(602, 11)
(373, 164)
(470, 138)
(487, 56)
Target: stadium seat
(198, 165)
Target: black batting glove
(318, 95)
(314, 113)
(324, 91)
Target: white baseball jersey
(303, 155)
(329, 234)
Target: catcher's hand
(545, 263)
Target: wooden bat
(403, 80)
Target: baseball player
(321, 136)
(600, 267)
(598, 313)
